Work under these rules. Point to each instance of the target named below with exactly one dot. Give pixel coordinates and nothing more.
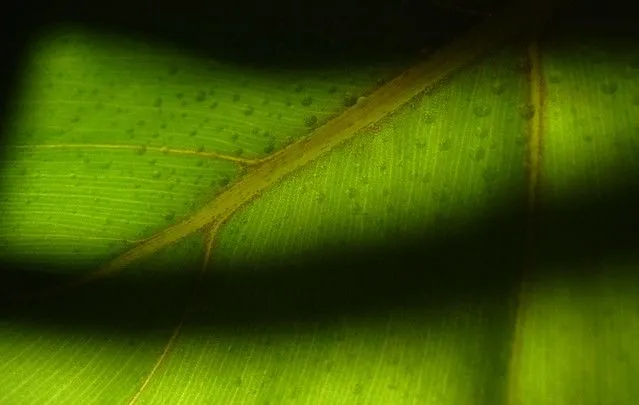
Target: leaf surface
(386, 271)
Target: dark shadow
(434, 270)
(283, 33)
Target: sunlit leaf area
(401, 267)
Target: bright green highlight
(80, 88)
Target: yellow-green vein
(536, 89)
(142, 149)
(209, 240)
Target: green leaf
(446, 246)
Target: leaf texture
(472, 246)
